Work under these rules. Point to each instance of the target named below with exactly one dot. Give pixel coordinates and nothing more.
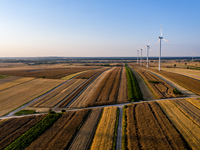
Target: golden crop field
(195, 102)
(73, 75)
(103, 138)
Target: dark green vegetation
(3, 76)
(177, 92)
(134, 93)
(116, 129)
(33, 133)
(124, 124)
(25, 112)
(156, 82)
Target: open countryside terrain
(175, 123)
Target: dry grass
(84, 97)
(73, 75)
(103, 138)
(194, 101)
(85, 135)
(14, 83)
(57, 95)
(18, 95)
(188, 129)
(60, 135)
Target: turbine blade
(144, 47)
(150, 49)
(161, 29)
(166, 41)
(157, 42)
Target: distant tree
(185, 63)
(174, 65)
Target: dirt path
(175, 85)
(146, 92)
(119, 132)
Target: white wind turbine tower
(148, 48)
(137, 56)
(192, 56)
(161, 38)
(141, 57)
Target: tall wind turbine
(161, 38)
(141, 57)
(192, 56)
(148, 48)
(137, 56)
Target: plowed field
(11, 129)
(61, 134)
(107, 91)
(149, 128)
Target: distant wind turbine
(137, 56)
(161, 38)
(141, 57)
(148, 48)
(192, 56)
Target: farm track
(186, 127)
(103, 138)
(148, 127)
(188, 109)
(85, 135)
(61, 134)
(84, 97)
(13, 128)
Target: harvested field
(122, 94)
(160, 88)
(73, 95)
(103, 138)
(9, 79)
(149, 128)
(73, 75)
(194, 101)
(107, 91)
(18, 95)
(188, 109)
(60, 135)
(13, 128)
(50, 73)
(85, 135)
(89, 74)
(57, 95)
(187, 82)
(14, 83)
(186, 127)
(84, 97)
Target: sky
(98, 28)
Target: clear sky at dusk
(98, 28)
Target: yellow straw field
(194, 101)
(73, 75)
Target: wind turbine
(161, 38)
(137, 56)
(148, 48)
(141, 57)
(192, 56)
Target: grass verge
(124, 137)
(116, 129)
(3, 76)
(25, 112)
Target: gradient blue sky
(98, 28)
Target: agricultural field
(18, 95)
(107, 91)
(159, 87)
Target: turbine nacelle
(160, 37)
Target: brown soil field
(13, 128)
(84, 97)
(85, 135)
(89, 74)
(9, 79)
(57, 95)
(122, 93)
(160, 88)
(50, 73)
(185, 126)
(14, 83)
(18, 95)
(187, 82)
(103, 138)
(73, 95)
(60, 135)
(194, 101)
(188, 109)
(107, 91)
(149, 128)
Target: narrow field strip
(186, 127)
(85, 135)
(23, 93)
(149, 128)
(57, 95)
(73, 75)
(84, 97)
(9, 79)
(14, 83)
(13, 128)
(195, 102)
(188, 109)
(61, 134)
(103, 138)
